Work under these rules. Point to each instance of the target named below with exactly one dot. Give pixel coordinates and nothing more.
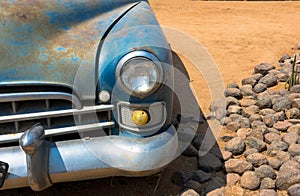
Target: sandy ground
(238, 35)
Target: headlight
(139, 73)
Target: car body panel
(45, 42)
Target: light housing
(139, 73)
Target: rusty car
(85, 92)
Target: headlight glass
(140, 73)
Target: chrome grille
(60, 113)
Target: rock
(293, 113)
(290, 138)
(265, 102)
(282, 104)
(233, 126)
(247, 102)
(253, 109)
(235, 117)
(280, 116)
(249, 152)
(269, 80)
(233, 92)
(220, 113)
(283, 92)
(255, 117)
(249, 180)
(266, 111)
(293, 96)
(249, 81)
(237, 166)
(283, 156)
(233, 85)
(190, 151)
(267, 183)
(242, 132)
(295, 89)
(255, 133)
(294, 190)
(284, 57)
(294, 129)
(269, 120)
(231, 101)
(226, 155)
(234, 109)
(265, 171)
(294, 149)
(259, 88)
(282, 125)
(257, 159)
(271, 137)
(282, 77)
(247, 90)
(272, 130)
(256, 124)
(274, 71)
(288, 175)
(194, 185)
(235, 145)
(244, 122)
(232, 178)
(276, 146)
(274, 163)
(257, 76)
(296, 103)
(225, 121)
(209, 162)
(267, 192)
(253, 142)
(201, 176)
(180, 177)
(294, 121)
(189, 192)
(263, 68)
(297, 158)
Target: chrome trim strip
(56, 113)
(96, 158)
(59, 131)
(27, 96)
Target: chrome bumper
(90, 158)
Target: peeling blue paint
(61, 49)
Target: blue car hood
(47, 42)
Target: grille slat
(60, 113)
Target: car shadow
(200, 167)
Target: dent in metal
(37, 157)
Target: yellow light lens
(140, 117)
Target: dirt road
(238, 35)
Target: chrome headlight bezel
(141, 55)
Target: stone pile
(261, 136)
